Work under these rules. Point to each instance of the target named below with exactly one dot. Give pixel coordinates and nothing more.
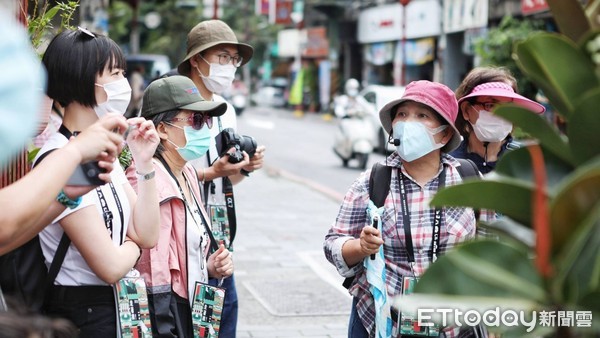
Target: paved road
(286, 287)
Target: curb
(327, 192)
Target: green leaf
(508, 196)
(543, 58)
(517, 164)
(484, 268)
(584, 126)
(51, 13)
(539, 127)
(576, 198)
(509, 230)
(578, 265)
(570, 18)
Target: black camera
(228, 138)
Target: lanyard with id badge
(207, 301)
(132, 305)
(406, 322)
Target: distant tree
(496, 48)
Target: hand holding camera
(228, 139)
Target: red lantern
(404, 2)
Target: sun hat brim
(508, 94)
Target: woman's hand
(142, 140)
(256, 161)
(99, 141)
(370, 240)
(220, 263)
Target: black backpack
(379, 187)
(24, 277)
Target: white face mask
(118, 96)
(220, 77)
(491, 128)
(416, 139)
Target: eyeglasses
(197, 120)
(489, 106)
(225, 58)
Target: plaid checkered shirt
(458, 225)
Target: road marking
(325, 274)
(261, 123)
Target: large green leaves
(538, 127)
(578, 265)
(570, 17)
(584, 127)
(544, 58)
(484, 268)
(508, 196)
(578, 195)
(517, 164)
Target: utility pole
(404, 4)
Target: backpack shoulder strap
(467, 168)
(379, 183)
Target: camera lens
(248, 144)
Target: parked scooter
(354, 137)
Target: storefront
(464, 22)
(393, 53)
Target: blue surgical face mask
(416, 139)
(197, 142)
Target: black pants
(91, 308)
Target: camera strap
(227, 189)
(230, 203)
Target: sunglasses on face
(197, 120)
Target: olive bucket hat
(208, 34)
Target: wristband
(145, 177)
(63, 199)
(203, 175)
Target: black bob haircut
(73, 59)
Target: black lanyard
(107, 214)
(437, 220)
(213, 242)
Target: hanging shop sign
(384, 23)
(460, 15)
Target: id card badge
(409, 325)
(220, 224)
(207, 307)
(132, 307)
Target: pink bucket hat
(435, 95)
(501, 89)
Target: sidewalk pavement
(286, 287)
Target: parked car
(154, 65)
(269, 96)
(374, 97)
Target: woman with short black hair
(110, 224)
